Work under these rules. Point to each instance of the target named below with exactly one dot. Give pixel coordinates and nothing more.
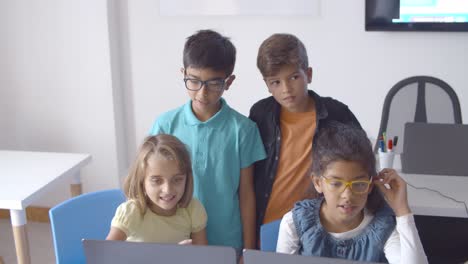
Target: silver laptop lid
(122, 252)
(262, 257)
(431, 148)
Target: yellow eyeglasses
(357, 187)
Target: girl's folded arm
(288, 241)
(199, 238)
(116, 234)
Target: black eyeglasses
(215, 85)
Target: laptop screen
(262, 257)
(123, 252)
(431, 148)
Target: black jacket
(266, 113)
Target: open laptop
(123, 252)
(263, 257)
(431, 148)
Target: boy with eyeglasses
(223, 143)
(288, 121)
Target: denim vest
(316, 241)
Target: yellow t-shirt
(151, 227)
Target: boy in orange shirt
(288, 121)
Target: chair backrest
(269, 236)
(418, 99)
(86, 216)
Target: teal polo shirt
(219, 148)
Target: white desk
(25, 177)
(425, 202)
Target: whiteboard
(308, 8)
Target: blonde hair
(166, 146)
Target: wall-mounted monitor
(416, 15)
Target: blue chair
(86, 216)
(269, 236)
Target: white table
(430, 203)
(25, 177)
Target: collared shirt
(266, 113)
(220, 147)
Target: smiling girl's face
(164, 185)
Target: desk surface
(427, 202)
(25, 175)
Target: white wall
(351, 65)
(91, 75)
(56, 86)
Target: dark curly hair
(342, 142)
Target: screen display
(417, 15)
(443, 11)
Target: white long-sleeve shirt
(403, 245)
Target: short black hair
(209, 49)
(345, 142)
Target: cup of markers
(386, 154)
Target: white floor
(40, 243)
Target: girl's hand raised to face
(396, 196)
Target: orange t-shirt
(292, 182)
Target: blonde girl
(159, 206)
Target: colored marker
(395, 140)
(384, 137)
(390, 145)
(382, 145)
